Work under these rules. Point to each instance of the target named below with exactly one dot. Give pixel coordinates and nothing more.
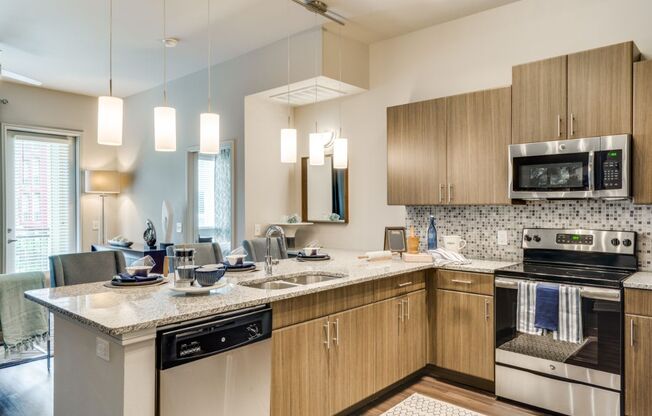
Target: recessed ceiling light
(170, 42)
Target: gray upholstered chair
(205, 253)
(77, 268)
(256, 249)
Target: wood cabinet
(642, 140)
(638, 352)
(539, 101)
(479, 131)
(412, 333)
(585, 94)
(416, 153)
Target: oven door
(557, 169)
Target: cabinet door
(352, 357)
(412, 336)
(642, 141)
(539, 101)
(416, 153)
(465, 333)
(300, 370)
(388, 323)
(600, 91)
(479, 131)
(638, 365)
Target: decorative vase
(150, 234)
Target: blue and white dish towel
(526, 307)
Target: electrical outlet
(102, 348)
(96, 225)
(179, 227)
(501, 238)
(257, 228)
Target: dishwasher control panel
(194, 341)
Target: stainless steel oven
(595, 167)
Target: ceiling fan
(321, 8)
(6, 74)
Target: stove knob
(537, 238)
(627, 242)
(615, 242)
(527, 238)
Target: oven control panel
(585, 239)
(601, 241)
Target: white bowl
(142, 271)
(310, 251)
(235, 259)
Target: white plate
(195, 289)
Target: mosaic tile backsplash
(479, 225)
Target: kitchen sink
(310, 279)
(273, 285)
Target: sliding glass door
(41, 198)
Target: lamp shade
(102, 182)
(209, 133)
(109, 120)
(316, 149)
(340, 153)
(288, 145)
(165, 129)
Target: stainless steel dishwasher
(219, 366)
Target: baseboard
(459, 378)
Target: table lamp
(102, 182)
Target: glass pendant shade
(165, 129)
(316, 145)
(109, 120)
(209, 133)
(340, 153)
(288, 145)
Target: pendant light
(288, 135)
(316, 139)
(110, 108)
(165, 118)
(209, 123)
(341, 144)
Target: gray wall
(157, 175)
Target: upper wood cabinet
(642, 140)
(539, 101)
(416, 153)
(479, 131)
(584, 94)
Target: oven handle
(585, 291)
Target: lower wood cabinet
(638, 352)
(465, 333)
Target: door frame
(76, 135)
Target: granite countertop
(120, 311)
(639, 280)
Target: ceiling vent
(308, 95)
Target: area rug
(420, 405)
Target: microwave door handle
(590, 171)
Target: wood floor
(26, 390)
(470, 399)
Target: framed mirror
(324, 192)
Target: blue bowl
(209, 275)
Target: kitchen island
(105, 337)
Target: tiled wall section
(479, 225)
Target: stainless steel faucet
(273, 229)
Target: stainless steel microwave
(595, 167)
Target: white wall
(158, 176)
(468, 54)
(32, 106)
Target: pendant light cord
(111, 48)
(165, 58)
(316, 65)
(209, 53)
(287, 9)
(339, 46)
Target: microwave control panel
(610, 167)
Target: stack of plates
(247, 266)
(121, 281)
(317, 257)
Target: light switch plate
(96, 225)
(102, 348)
(257, 228)
(501, 238)
(179, 227)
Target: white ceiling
(64, 43)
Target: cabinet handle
(407, 302)
(327, 325)
(404, 284)
(572, 125)
(450, 193)
(631, 332)
(486, 310)
(441, 193)
(558, 125)
(337, 332)
(466, 282)
(400, 311)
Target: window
(214, 196)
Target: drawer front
(638, 302)
(480, 283)
(399, 285)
